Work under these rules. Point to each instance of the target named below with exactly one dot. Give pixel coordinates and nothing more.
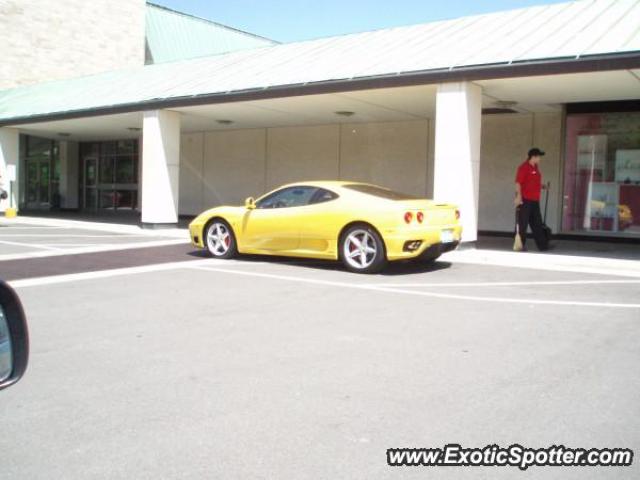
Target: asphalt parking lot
(25, 240)
(276, 368)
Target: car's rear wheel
(362, 249)
(220, 240)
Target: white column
(160, 167)
(457, 151)
(9, 155)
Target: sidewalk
(567, 256)
(125, 224)
(603, 249)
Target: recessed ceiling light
(345, 113)
(506, 103)
(224, 122)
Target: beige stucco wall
(44, 40)
(389, 154)
(225, 167)
(505, 142)
(302, 153)
(234, 166)
(191, 167)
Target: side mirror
(250, 203)
(14, 338)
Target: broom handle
(546, 202)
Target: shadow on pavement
(393, 268)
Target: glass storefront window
(602, 174)
(106, 169)
(38, 147)
(126, 170)
(91, 149)
(110, 175)
(43, 173)
(32, 182)
(125, 147)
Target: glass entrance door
(38, 183)
(90, 183)
(43, 173)
(110, 176)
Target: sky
(293, 20)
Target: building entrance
(42, 173)
(109, 176)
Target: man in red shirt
(528, 187)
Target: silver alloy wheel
(218, 239)
(360, 249)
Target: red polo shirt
(530, 180)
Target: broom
(517, 241)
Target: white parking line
(71, 245)
(540, 261)
(207, 265)
(72, 235)
(116, 272)
(39, 227)
(377, 288)
(505, 284)
(21, 244)
(51, 252)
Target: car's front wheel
(220, 240)
(362, 250)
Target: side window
(288, 197)
(322, 195)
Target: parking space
(444, 280)
(21, 239)
(308, 371)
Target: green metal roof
(175, 36)
(557, 37)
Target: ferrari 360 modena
(362, 225)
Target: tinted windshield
(380, 192)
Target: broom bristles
(517, 241)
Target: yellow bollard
(10, 212)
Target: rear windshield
(380, 192)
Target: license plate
(446, 236)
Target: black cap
(535, 152)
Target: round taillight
(420, 217)
(408, 217)
(457, 214)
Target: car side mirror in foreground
(250, 203)
(14, 338)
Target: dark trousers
(529, 214)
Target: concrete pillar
(457, 151)
(9, 159)
(160, 167)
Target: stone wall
(45, 40)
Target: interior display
(628, 166)
(602, 174)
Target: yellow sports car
(362, 225)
